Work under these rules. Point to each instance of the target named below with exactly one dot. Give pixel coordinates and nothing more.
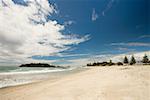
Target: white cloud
(131, 44)
(144, 36)
(108, 7)
(138, 56)
(25, 31)
(94, 15)
(124, 49)
(70, 22)
(106, 57)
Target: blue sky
(112, 26)
(125, 21)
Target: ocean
(12, 76)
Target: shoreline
(25, 79)
(104, 83)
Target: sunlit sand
(97, 83)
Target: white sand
(99, 83)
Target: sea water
(11, 76)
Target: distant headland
(41, 65)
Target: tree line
(145, 61)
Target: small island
(45, 65)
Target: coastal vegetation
(144, 61)
(126, 61)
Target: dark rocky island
(41, 65)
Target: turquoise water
(11, 76)
(7, 68)
(12, 69)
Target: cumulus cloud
(94, 15)
(26, 31)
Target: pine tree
(110, 63)
(125, 60)
(133, 61)
(145, 59)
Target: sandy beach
(97, 83)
